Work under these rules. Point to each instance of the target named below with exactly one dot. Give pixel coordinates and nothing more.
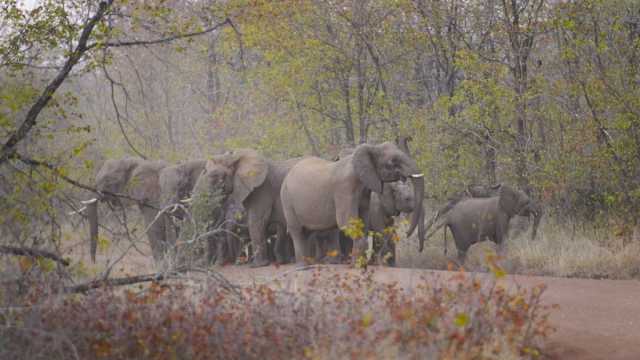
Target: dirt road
(597, 319)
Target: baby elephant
(475, 219)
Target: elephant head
(238, 173)
(533, 209)
(111, 179)
(384, 163)
(136, 180)
(178, 181)
(513, 202)
(398, 197)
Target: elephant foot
(333, 260)
(256, 263)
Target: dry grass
(559, 250)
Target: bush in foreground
(330, 315)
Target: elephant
(472, 220)
(397, 197)
(125, 182)
(482, 191)
(254, 183)
(318, 194)
(225, 247)
(176, 184)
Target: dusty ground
(597, 319)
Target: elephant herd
(298, 209)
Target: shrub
(331, 314)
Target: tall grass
(560, 249)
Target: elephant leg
(346, 246)
(222, 251)
(282, 246)
(259, 207)
(257, 228)
(387, 252)
(211, 250)
(356, 210)
(331, 250)
(463, 240)
(155, 233)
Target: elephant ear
(251, 171)
(364, 166)
(403, 143)
(509, 200)
(145, 184)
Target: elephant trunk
(92, 214)
(537, 216)
(418, 212)
(421, 229)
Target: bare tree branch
(32, 115)
(34, 253)
(227, 21)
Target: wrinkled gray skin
(176, 184)
(472, 220)
(397, 197)
(481, 191)
(255, 182)
(137, 179)
(321, 195)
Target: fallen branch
(35, 253)
(81, 288)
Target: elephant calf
(472, 220)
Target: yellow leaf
(103, 243)
(461, 320)
(332, 253)
(25, 263)
(367, 320)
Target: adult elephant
(131, 181)
(396, 198)
(176, 184)
(319, 195)
(472, 220)
(254, 182)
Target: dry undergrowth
(559, 250)
(330, 314)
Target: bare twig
(227, 21)
(35, 253)
(29, 122)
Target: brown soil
(596, 319)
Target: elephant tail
(92, 215)
(445, 241)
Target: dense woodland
(540, 94)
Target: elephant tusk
(186, 201)
(88, 202)
(417, 176)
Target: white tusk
(186, 201)
(88, 202)
(78, 211)
(417, 176)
